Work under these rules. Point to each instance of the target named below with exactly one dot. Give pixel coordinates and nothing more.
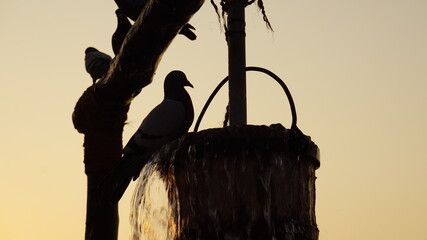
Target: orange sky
(356, 69)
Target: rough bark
(101, 111)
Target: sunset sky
(357, 71)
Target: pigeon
(123, 26)
(132, 9)
(97, 63)
(166, 122)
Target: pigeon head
(176, 79)
(119, 13)
(91, 49)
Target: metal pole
(237, 62)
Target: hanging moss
(224, 5)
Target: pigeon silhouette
(166, 122)
(97, 63)
(132, 9)
(123, 26)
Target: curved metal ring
(257, 69)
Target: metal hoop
(257, 69)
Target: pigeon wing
(161, 125)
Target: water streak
(152, 216)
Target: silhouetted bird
(132, 9)
(187, 31)
(96, 63)
(123, 26)
(166, 122)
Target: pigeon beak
(187, 83)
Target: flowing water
(152, 214)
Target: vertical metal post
(237, 62)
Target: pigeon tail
(187, 31)
(128, 170)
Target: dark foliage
(224, 6)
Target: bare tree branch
(150, 36)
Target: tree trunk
(101, 111)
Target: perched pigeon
(96, 63)
(132, 9)
(166, 122)
(123, 26)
